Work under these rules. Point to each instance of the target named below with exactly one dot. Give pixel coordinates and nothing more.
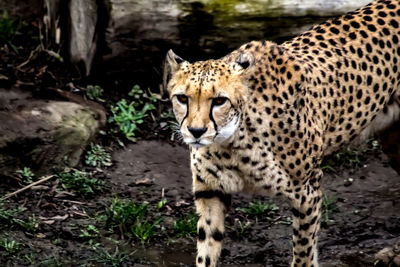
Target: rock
(41, 134)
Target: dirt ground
(367, 218)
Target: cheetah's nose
(197, 132)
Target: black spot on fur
(208, 261)
(217, 235)
(202, 234)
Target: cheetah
(261, 118)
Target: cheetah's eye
(219, 101)
(182, 98)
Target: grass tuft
(97, 156)
(260, 208)
(186, 226)
(81, 182)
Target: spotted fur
(262, 118)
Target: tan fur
(261, 118)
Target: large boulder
(42, 133)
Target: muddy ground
(366, 220)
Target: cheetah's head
(207, 96)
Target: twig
(29, 58)
(122, 231)
(74, 202)
(28, 186)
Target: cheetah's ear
(172, 64)
(243, 62)
(173, 60)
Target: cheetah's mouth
(199, 143)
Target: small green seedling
(144, 230)
(162, 203)
(81, 182)
(9, 29)
(31, 225)
(260, 208)
(125, 212)
(241, 228)
(348, 158)
(106, 258)
(26, 175)
(94, 92)
(52, 261)
(89, 232)
(329, 206)
(10, 247)
(8, 217)
(97, 156)
(131, 219)
(128, 115)
(186, 226)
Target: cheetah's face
(207, 97)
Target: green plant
(144, 230)
(10, 247)
(128, 115)
(8, 30)
(109, 259)
(89, 231)
(97, 156)
(30, 256)
(240, 228)
(31, 225)
(26, 175)
(122, 211)
(94, 92)
(328, 207)
(8, 217)
(162, 203)
(260, 208)
(81, 182)
(347, 158)
(131, 219)
(52, 261)
(186, 226)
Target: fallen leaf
(79, 213)
(181, 202)
(59, 217)
(40, 235)
(145, 181)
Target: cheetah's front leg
(306, 216)
(211, 205)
